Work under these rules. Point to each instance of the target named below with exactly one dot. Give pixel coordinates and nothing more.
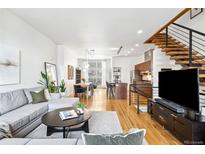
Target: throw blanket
(5, 130)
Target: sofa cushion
(15, 119)
(52, 142)
(14, 141)
(12, 100)
(34, 110)
(62, 103)
(23, 115)
(28, 94)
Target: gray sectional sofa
(24, 120)
(22, 116)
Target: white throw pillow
(47, 94)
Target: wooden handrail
(184, 11)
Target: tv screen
(181, 87)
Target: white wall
(65, 57)
(196, 23)
(127, 64)
(35, 48)
(161, 60)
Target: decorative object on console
(9, 66)
(70, 72)
(195, 12)
(203, 110)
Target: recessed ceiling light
(128, 52)
(136, 44)
(140, 31)
(132, 49)
(125, 54)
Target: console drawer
(162, 116)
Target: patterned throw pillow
(5, 130)
(132, 138)
(38, 97)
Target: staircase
(184, 45)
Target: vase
(80, 111)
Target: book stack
(65, 115)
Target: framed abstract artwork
(195, 12)
(9, 65)
(70, 72)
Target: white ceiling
(98, 29)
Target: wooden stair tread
(171, 46)
(200, 68)
(201, 75)
(164, 43)
(187, 62)
(174, 49)
(163, 39)
(187, 57)
(178, 53)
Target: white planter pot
(80, 111)
(55, 95)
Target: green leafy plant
(83, 79)
(44, 79)
(52, 88)
(62, 86)
(80, 105)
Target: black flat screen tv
(181, 87)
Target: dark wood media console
(189, 128)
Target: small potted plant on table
(80, 107)
(62, 88)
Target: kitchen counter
(120, 90)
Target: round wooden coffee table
(54, 123)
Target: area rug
(101, 122)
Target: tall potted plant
(62, 88)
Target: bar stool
(110, 89)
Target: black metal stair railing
(193, 40)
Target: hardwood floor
(129, 118)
